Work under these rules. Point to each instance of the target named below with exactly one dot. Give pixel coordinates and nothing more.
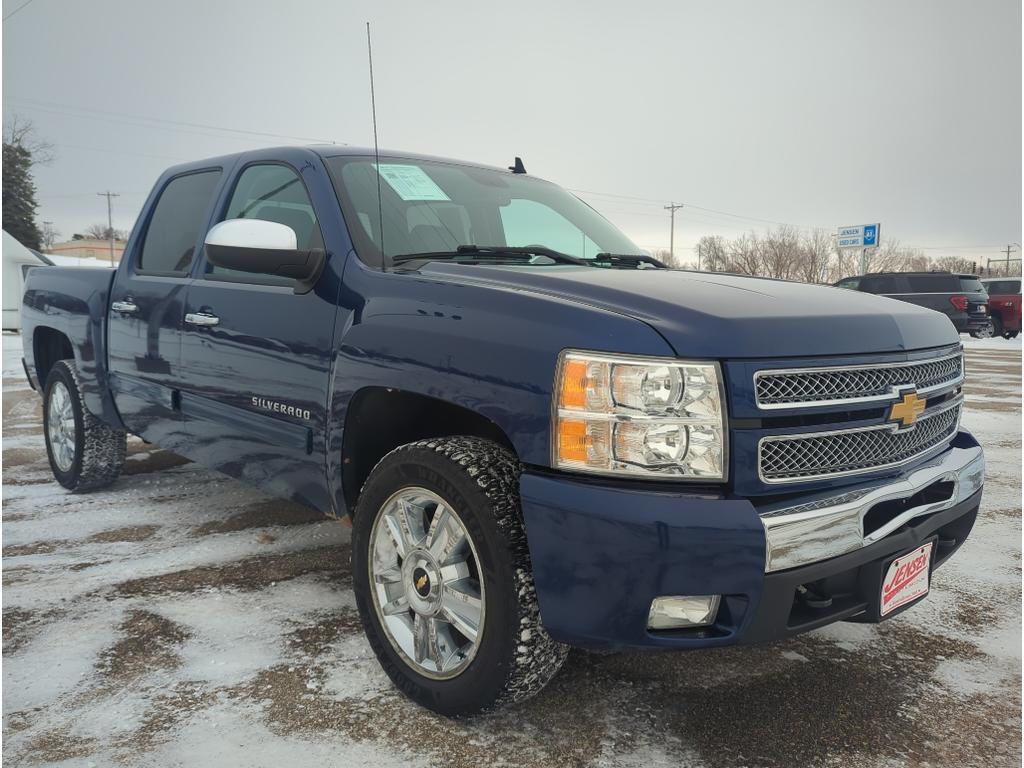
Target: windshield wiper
(628, 260)
(476, 253)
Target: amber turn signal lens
(573, 440)
(574, 384)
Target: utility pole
(672, 236)
(110, 220)
(1009, 251)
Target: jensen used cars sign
(860, 236)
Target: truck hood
(714, 315)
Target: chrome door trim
(201, 318)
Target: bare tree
(712, 253)
(816, 248)
(102, 232)
(744, 256)
(956, 264)
(50, 234)
(21, 132)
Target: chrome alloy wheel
(61, 427)
(425, 576)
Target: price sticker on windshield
(411, 182)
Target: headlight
(639, 416)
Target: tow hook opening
(812, 598)
(885, 512)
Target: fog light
(679, 611)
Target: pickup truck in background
(542, 437)
(962, 298)
(1004, 305)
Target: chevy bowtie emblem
(908, 409)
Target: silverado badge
(907, 410)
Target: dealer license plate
(907, 579)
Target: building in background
(89, 248)
(17, 260)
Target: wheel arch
(380, 419)
(49, 346)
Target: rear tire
(84, 453)
(509, 656)
(986, 332)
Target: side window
(273, 193)
(885, 284)
(872, 285)
(276, 193)
(174, 226)
(527, 222)
(850, 283)
(937, 283)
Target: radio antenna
(376, 153)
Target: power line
(714, 211)
(55, 106)
(23, 5)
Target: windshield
(431, 207)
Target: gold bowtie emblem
(421, 581)
(908, 409)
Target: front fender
(491, 350)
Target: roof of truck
(323, 151)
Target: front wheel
(84, 453)
(443, 578)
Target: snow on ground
(180, 618)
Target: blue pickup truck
(543, 437)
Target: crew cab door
(257, 355)
(147, 307)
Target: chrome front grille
(815, 455)
(806, 387)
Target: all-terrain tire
(515, 657)
(99, 450)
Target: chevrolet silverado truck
(543, 438)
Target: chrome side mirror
(263, 248)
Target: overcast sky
(811, 113)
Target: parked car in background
(1004, 305)
(962, 298)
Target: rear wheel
(443, 578)
(985, 332)
(84, 453)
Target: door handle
(201, 318)
(124, 307)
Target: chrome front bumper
(800, 534)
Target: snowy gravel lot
(180, 618)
